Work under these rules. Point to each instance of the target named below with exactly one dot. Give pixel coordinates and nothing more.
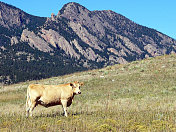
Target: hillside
(139, 96)
(76, 39)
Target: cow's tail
(28, 102)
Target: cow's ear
(81, 83)
(71, 84)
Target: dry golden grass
(139, 96)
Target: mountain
(75, 39)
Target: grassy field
(137, 97)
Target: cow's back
(35, 90)
(57, 92)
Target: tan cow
(51, 95)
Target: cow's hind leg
(64, 105)
(28, 103)
(32, 106)
(27, 107)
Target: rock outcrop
(35, 41)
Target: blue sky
(157, 14)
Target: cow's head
(76, 87)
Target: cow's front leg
(64, 105)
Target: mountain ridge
(76, 38)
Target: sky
(156, 14)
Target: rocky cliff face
(115, 34)
(35, 41)
(12, 17)
(85, 39)
(103, 36)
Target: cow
(51, 95)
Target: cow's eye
(79, 87)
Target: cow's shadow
(58, 114)
(52, 115)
